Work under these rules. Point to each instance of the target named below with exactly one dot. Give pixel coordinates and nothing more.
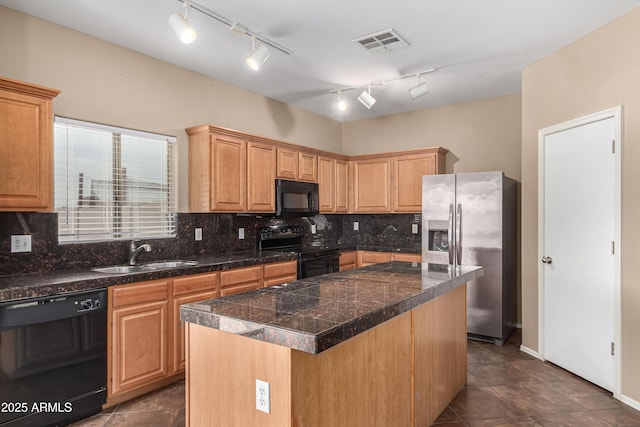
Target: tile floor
(505, 387)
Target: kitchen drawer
(195, 283)
(281, 269)
(371, 257)
(123, 295)
(240, 275)
(406, 257)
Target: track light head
(258, 57)
(182, 28)
(180, 25)
(366, 99)
(418, 90)
(341, 105)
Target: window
(113, 183)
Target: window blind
(113, 183)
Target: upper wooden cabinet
(230, 174)
(231, 171)
(392, 182)
(261, 161)
(371, 184)
(406, 179)
(297, 165)
(26, 145)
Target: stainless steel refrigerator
(470, 219)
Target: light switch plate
(198, 234)
(356, 226)
(21, 243)
(241, 233)
(313, 229)
(414, 228)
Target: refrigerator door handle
(450, 234)
(459, 235)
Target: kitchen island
(383, 345)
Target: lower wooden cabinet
(138, 335)
(348, 260)
(185, 290)
(145, 334)
(365, 258)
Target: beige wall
(481, 135)
(109, 84)
(595, 73)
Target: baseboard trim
(531, 352)
(629, 401)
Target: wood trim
(29, 89)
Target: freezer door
(438, 213)
(479, 196)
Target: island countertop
(314, 314)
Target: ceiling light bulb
(258, 57)
(342, 104)
(366, 99)
(182, 28)
(418, 90)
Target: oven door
(310, 265)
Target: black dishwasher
(53, 358)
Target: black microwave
(296, 198)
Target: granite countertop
(28, 285)
(317, 313)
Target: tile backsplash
(219, 235)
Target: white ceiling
(478, 47)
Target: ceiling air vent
(382, 41)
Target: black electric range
(312, 261)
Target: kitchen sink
(168, 264)
(157, 265)
(120, 269)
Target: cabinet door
(287, 163)
(196, 287)
(407, 180)
(326, 184)
(308, 167)
(138, 335)
(229, 174)
(347, 260)
(26, 130)
(261, 171)
(178, 355)
(371, 185)
(342, 185)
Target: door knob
(547, 259)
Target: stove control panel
(280, 232)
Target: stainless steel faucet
(134, 250)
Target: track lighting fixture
(259, 55)
(180, 25)
(342, 104)
(366, 99)
(418, 90)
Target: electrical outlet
(414, 228)
(241, 233)
(21, 243)
(313, 229)
(263, 397)
(356, 226)
(198, 234)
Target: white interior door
(579, 230)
